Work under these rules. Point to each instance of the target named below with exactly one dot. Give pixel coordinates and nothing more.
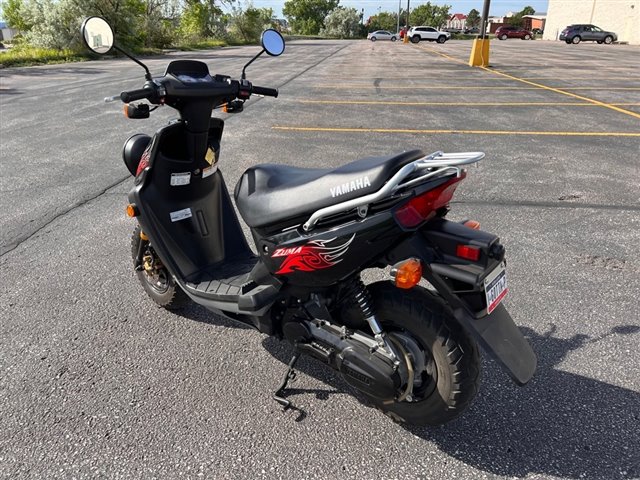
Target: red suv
(509, 31)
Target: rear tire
(451, 373)
(161, 287)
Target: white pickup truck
(431, 34)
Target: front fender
(497, 333)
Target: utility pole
(399, 8)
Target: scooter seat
(267, 194)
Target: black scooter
(413, 351)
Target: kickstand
(290, 375)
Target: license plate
(495, 287)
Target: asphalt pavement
(95, 381)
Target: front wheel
(503, 36)
(445, 360)
(527, 37)
(373, 39)
(393, 39)
(415, 39)
(576, 40)
(155, 278)
(608, 39)
(442, 39)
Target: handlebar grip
(134, 95)
(268, 92)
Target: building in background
(619, 16)
(457, 21)
(535, 21)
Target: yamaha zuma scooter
(412, 351)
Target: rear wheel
(576, 40)
(155, 278)
(608, 39)
(444, 359)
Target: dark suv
(581, 33)
(509, 31)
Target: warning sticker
(210, 156)
(178, 179)
(209, 171)
(181, 215)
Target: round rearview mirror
(272, 42)
(97, 35)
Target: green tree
(473, 19)
(307, 16)
(248, 24)
(14, 15)
(517, 19)
(431, 15)
(199, 19)
(383, 21)
(342, 23)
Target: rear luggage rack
(430, 166)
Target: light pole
(399, 8)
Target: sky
(498, 7)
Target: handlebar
(133, 95)
(269, 92)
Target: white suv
(416, 34)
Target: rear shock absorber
(358, 293)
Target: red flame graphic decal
(315, 255)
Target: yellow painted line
(551, 89)
(459, 104)
(462, 132)
(466, 87)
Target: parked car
(583, 32)
(471, 30)
(537, 31)
(382, 35)
(510, 31)
(427, 33)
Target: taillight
(468, 252)
(423, 207)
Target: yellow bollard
(405, 39)
(479, 53)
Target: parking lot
(96, 381)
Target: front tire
(576, 40)
(608, 39)
(157, 281)
(442, 39)
(393, 39)
(415, 39)
(373, 39)
(503, 36)
(527, 37)
(451, 365)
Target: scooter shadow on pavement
(561, 424)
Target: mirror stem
(244, 76)
(147, 75)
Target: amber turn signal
(407, 274)
(472, 224)
(132, 210)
